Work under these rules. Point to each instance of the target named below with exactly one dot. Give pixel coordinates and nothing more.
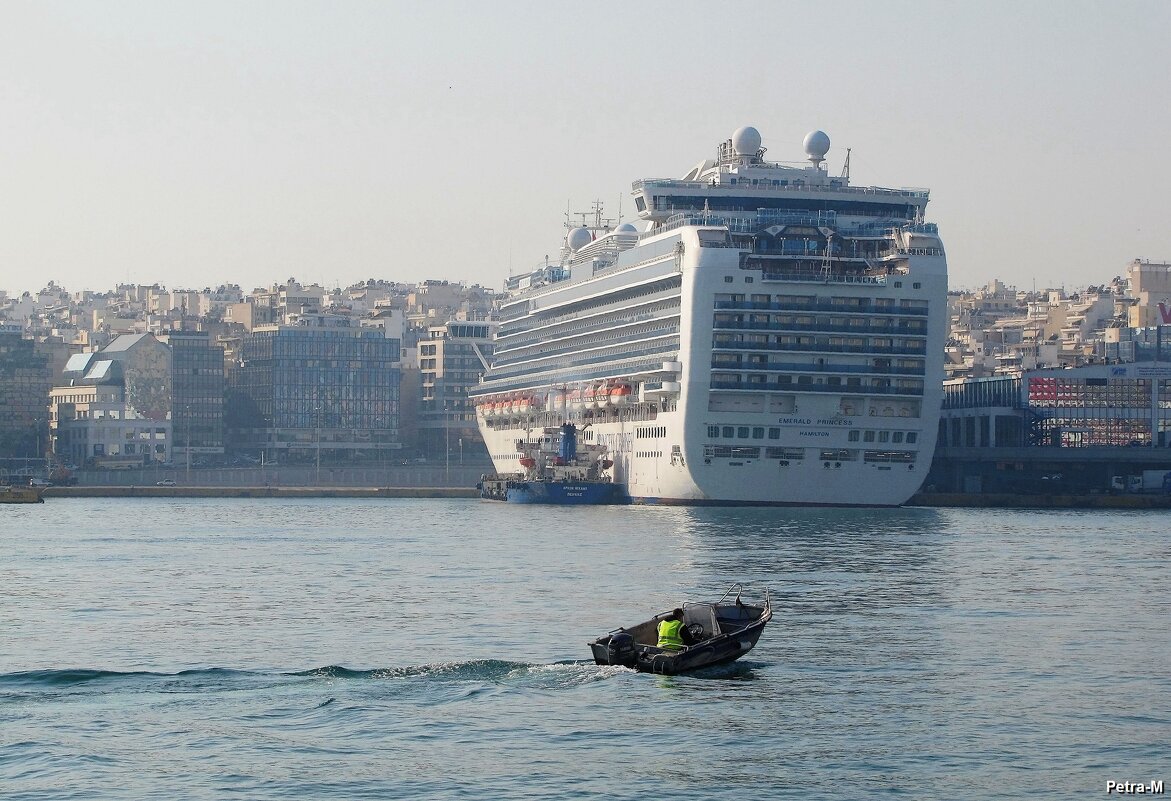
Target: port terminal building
(1083, 430)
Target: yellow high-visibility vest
(669, 636)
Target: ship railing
(777, 186)
(914, 252)
(822, 278)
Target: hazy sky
(200, 143)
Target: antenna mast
(846, 166)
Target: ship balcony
(838, 389)
(826, 348)
(901, 329)
(820, 369)
(867, 308)
(659, 389)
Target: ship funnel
(567, 451)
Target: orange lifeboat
(620, 394)
(573, 399)
(602, 396)
(528, 462)
(522, 404)
(507, 405)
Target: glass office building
(197, 396)
(296, 390)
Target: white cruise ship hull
(778, 356)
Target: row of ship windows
(796, 454)
(650, 432)
(648, 454)
(575, 322)
(855, 435)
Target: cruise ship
(766, 334)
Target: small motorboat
(718, 632)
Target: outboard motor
(620, 650)
(568, 448)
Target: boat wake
(480, 671)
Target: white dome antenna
(816, 146)
(746, 141)
(578, 238)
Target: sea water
(435, 649)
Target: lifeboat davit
(620, 395)
(591, 396)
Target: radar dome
(746, 141)
(578, 238)
(626, 228)
(816, 144)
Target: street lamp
(317, 415)
(187, 440)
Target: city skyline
(191, 147)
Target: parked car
(39, 482)
(166, 482)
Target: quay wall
(1015, 501)
(150, 491)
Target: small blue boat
(557, 471)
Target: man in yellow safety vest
(671, 632)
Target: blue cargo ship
(557, 470)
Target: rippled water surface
(320, 649)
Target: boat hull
(716, 651)
(565, 493)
